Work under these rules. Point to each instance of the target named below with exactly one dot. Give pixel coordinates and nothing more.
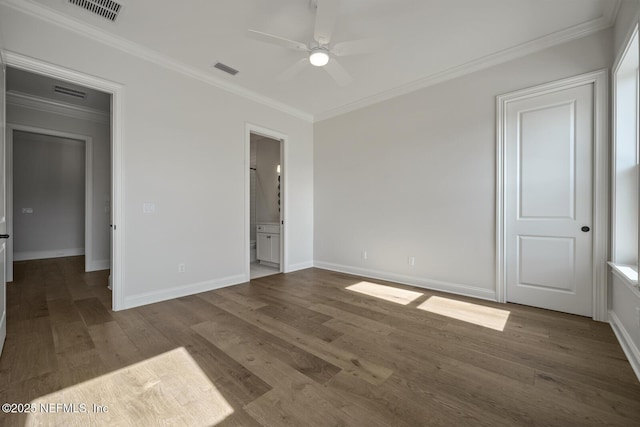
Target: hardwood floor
(303, 349)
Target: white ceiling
(423, 38)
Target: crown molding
(611, 14)
(572, 33)
(101, 36)
(33, 102)
(49, 15)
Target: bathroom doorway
(266, 205)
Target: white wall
(623, 300)
(267, 159)
(101, 161)
(625, 21)
(49, 179)
(184, 150)
(415, 175)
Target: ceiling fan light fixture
(319, 57)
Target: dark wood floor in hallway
(310, 348)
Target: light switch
(148, 208)
(27, 210)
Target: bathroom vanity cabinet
(268, 244)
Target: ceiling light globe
(319, 58)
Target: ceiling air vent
(106, 8)
(225, 68)
(70, 92)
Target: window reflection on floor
(477, 314)
(387, 293)
(169, 389)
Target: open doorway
(46, 100)
(48, 193)
(59, 174)
(266, 205)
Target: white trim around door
(599, 79)
(89, 262)
(116, 90)
(283, 138)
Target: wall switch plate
(148, 208)
(364, 254)
(27, 210)
(412, 261)
(181, 268)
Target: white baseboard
(3, 330)
(627, 344)
(420, 282)
(181, 291)
(58, 253)
(98, 265)
(299, 266)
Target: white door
(549, 190)
(3, 218)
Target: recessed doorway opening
(61, 104)
(265, 202)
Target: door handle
(585, 229)
(4, 236)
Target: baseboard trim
(59, 253)
(101, 264)
(181, 291)
(436, 285)
(299, 266)
(627, 344)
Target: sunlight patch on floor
(480, 315)
(169, 389)
(387, 293)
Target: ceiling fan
(321, 52)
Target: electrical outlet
(181, 268)
(412, 261)
(364, 254)
(148, 208)
(27, 210)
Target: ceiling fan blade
(337, 71)
(356, 47)
(294, 70)
(280, 41)
(326, 16)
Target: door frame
(88, 189)
(599, 80)
(284, 144)
(116, 91)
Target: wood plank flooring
(302, 350)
